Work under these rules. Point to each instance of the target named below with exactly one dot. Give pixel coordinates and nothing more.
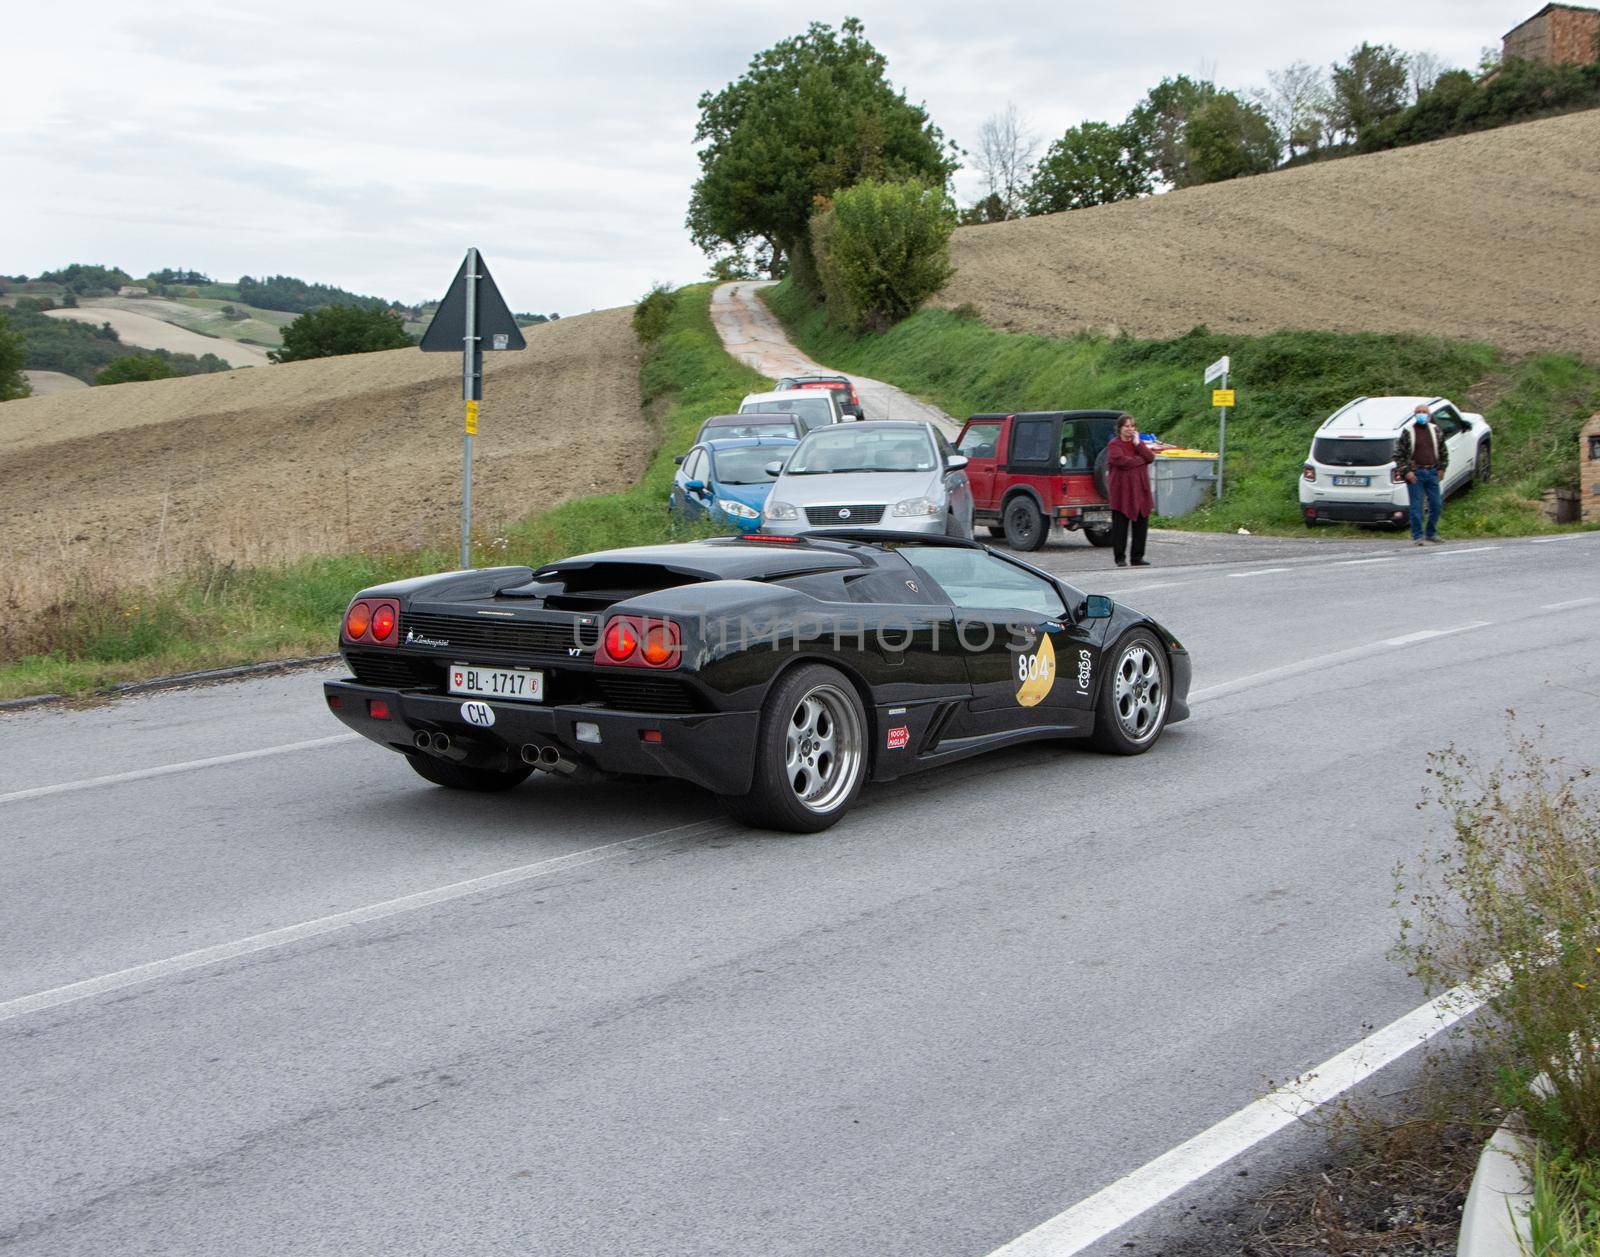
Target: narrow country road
(265, 993)
(752, 333)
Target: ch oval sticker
(480, 714)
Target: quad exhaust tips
(437, 744)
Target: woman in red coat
(1128, 462)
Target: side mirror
(956, 462)
(695, 486)
(1096, 607)
(774, 468)
(678, 461)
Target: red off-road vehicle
(1029, 471)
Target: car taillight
(639, 641)
(357, 620)
(375, 620)
(1310, 472)
(1397, 476)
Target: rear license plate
(1097, 517)
(1351, 482)
(516, 683)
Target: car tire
(1098, 536)
(1025, 527)
(1135, 695)
(461, 777)
(811, 755)
(996, 530)
(1483, 465)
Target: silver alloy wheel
(1141, 692)
(823, 754)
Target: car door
(1029, 663)
(1034, 459)
(980, 444)
(956, 485)
(695, 469)
(1457, 436)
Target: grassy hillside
(1489, 237)
(213, 613)
(1288, 383)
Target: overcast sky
(368, 144)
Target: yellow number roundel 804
(1036, 674)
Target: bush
(135, 367)
(13, 354)
(881, 249)
(653, 314)
(336, 330)
(1456, 104)
(1511, 906)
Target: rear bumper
(714, 750)
(1354, 512)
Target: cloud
(368, 144)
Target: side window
(1031, 440)
(694, 469)
(1081, 442)
(980, 440)
(1450, 423)
(977, 580)
(943, 444)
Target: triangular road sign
(497, 329)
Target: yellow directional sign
(472, 418)
(1222, 397)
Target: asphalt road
(981, 998)
(752, 333)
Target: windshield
(849, 448)
(812, 411)
(728, 431)
(1333, 451)
(746, 466)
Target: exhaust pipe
(441, 744)
(549, 757)
(422, 740)
(530, 753)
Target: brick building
(1559, 34)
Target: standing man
(1421, 456)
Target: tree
(1226, 138)
(1006, 150)
(1367, 89)
(988, 209)
(1156, 128)
(813, 114)
(1424, 69)
(1092, 164)
(13, 356)
(336, 330)
(1295, 99)
(134, 367)
(881, 250)
(732, 266)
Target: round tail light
(620, 640)
(356, 621)
(658, 645)
(383, 623)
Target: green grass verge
(1287, 382)
(223, 615)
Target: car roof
(774, 395)
(1380, 416)
(730, 420)
(1051, 414)
(879, 425)
(748, 442)
(814, 379)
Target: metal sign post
(475, 307)
(1222, 398)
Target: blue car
(726, 482)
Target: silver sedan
(893, 476)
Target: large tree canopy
(1090, 165)
(340, 330)
(812, 115)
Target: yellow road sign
(1222, 397)
(472, 418)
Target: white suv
(1350, 475)
(811, 407)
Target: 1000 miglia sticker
(1036, 673)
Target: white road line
(1575, 602)
(167, 770)
(1265, 571)
(1318, 662)
(1469, 550)
(55, 997)
(1354, 562)
(1113, 1206)
(1571, 536)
